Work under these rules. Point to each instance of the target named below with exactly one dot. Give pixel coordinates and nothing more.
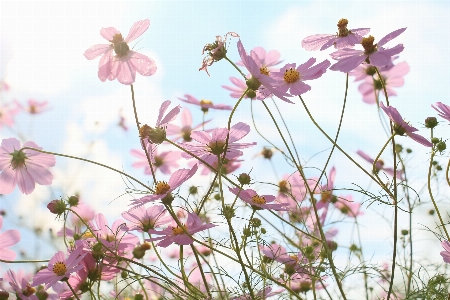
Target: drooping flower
(157, 135)
(391, 78)
(241, 87)
(184, 132)
(163, 190)
(204, 104)
(124, 64)
(143, 219)
(344, 38)
(215, 51)
(257, 201)
(401, 127)
(208, 147)
(446, 254)
(379, 165)
(7, 239)
(164, 161)
(175, 234)
(21, 286)
(23, 167)
(59, 267)
(374, 54)
(443, 110)
(259, 75)
(292, 78)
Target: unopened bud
(193, 190)
(255, 222)
(138, 297)
(405, 232)
(4, 295)
(253, 83)
(244, 178)
(73, 200)
(408, 150)
(398, 148)
(435, 140)
(431, 122)
(431, 212)
(441, 146)
(157, 135)
(57, 207)
(251, 94)
(124, 274)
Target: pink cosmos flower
(7, 113)
(163, 190)
(34, 107)
(85, 211)
(258, 201)
(122, 124)
(326, 190)
(240, 88)
(291, 78)
(293, 262)
(204, 104)
(165, 161)
(401, 127)
(209, 147)
(380, 165)
(446, 254)
(142, 219)
(21, 286)
(348, 207)
(175, 234)
(344, 38)
(23, 168)
(292, 190)
(158, 134)
(266, 59)
(184, 132)
(76, 281)
(443, 110)
(93, 268)
(59, 267)
(391, 78)
(260, 75)
(7, 239)
(228, 166)
(376, 55)
(262, 294)
(126, 62)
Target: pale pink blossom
(228, 166)
(184, 132)
(163, 190)
(21, 285)
(278, 253)
(23, 167)
(344, 38)
(257, 201)
(348, 207)
(205, 105)
(7, 114)
(164, 161)
(175, 234)
(326, 190)
(7, 239)
(392, 78)
(292, 78)
(59, 267)
(446, 254)
(374, 54)
(266, 59)
(142, 219)
(380, 165)
(34, 107)
(76, 281)
(208, 147)
(124, 64)
(443, 110)
(83, 210)
(401, 127)
(292, 190)
(157, 135)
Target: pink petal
(126, 73)
(143, 64)
(315, 42)
(9, 238)
(391, 36)
(10, 145)
(137, 30)
(108, 33)
(96, 51)
(186, 117)
(105, 66)
(39, 174)
(348, 64)
(171, 115)
(25, 181)
(180, 176)
(201, 136)
(7, 254)
(238, 131)
(8, 181)
(420, 139)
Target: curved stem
(446, 173)
(236, 67)
(92, 162)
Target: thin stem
(201, 270)
(236, 67)
(446, 174)
(92, 162)
(73, 291)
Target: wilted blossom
(257, 201)
(21, 286)
(446, 254)
(208, 147)
(374, 54)
(401, 127)
(239, 89)
(59, 267)
(215, 51)
(259, 75)
(175, 234)
(291, 77)
(204, 104)
(184, 132)
(344, 38)
(391, 78)
(443, 110)
(7, 239)
(379, 165)
(126, 62)
(164, 161)
(163, 190)
(23, 167)
(143, 219)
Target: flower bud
(73, 200)
(255, 222)
(167, 199)
(4, 295)
(431, 212)
(138, 297)
(57, 207)
(431, 122)
(244, 178)
(408, 150)
(405, 232)
(332, 245)
(193, 190)
(441, 146)
(251, 94)
(157, 135)
(124, 274)
(253, 83)
(263, 231)
(398, 148)
(228, 212)
(438, 168)
(435, 140)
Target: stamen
(258, 199)
(291, 75)
(59, 268)
(161, 188)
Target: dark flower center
(120, 46)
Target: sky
(41, 58)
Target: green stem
(73, 291)
(236, 67)
(201, 270)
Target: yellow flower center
(283, 185)
(178, 230)
(342, 27)
(203, 101)
(28, 291)
(33, 109)
(87, 235)
(59, 268)
(264, 71)
(161, 188)
(120, 46)
(258, 199)
(326, 196)
(368, 45)
(217, 147)
(291, 75)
